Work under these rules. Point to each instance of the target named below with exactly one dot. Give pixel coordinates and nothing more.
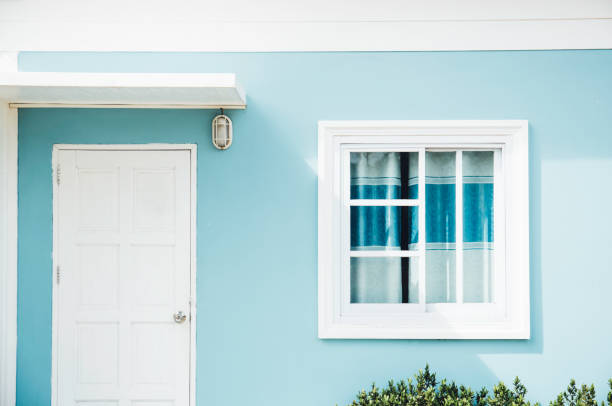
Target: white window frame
(506, 318)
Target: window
(423, 230)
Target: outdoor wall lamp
(222, 131)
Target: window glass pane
(410, 171)
(384, 228)
(478, 226)
(384, 280)
(384, 175)
(410, 280)
(440, 183)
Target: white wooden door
(123, 251)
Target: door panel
(124, 255)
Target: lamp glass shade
(222, 132)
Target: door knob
(180, 317)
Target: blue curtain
(478, 247)
(477, 226)
(440, 183)
(376, 175)
(393, 175)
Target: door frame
(193, 157)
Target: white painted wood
(86, 105)
(422, 190)
(273, 25)
(395, 34)
(383, 253)
(501, 172)
(459, 226)
(508, 316)
(384, 202)
(190, 11)
(8, 61)
(192, 299)
(8, 254)
(127, 147)
(342, 298)
(170, 90)
(123, 242)
(422, 193)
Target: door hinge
(57, 274)
(58, 172)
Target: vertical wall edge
(8, 254)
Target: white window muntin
(438, 320)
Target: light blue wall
(257, 212)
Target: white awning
(122, 90)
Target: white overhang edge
(122, 90)
(308, 36)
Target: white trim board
(192, 148)
(168, 90)
(290, 36)
(8, 254)
(9, 62)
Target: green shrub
(425, 390)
